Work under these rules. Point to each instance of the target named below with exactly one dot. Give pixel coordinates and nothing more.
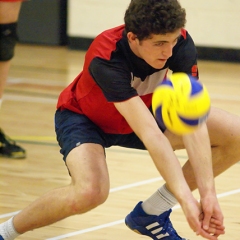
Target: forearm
(168, 165)
(199, 153)
(157, 144)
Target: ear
(131, 37)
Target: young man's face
(155, 50)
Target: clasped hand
(205, 217)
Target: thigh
(223, 128)
(9, 11)
(175, 140)
(82, 146)
(87, 167)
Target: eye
(178, 39)
(158, 44)
(175, 42)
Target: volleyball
(181, 103)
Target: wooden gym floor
(37, 76)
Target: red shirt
(113, 73)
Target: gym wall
(212, 24)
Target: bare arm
(199, 153)
(144, 125)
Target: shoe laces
(167, 226)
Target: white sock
(7, 230)
(161, 201)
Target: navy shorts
(73, 129)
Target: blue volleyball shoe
(156, 227)
(1, 238)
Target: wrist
(207, 192)
(182, 195)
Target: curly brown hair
(146, 17)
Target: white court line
(9, 214)
(111, 190)
(122, 221)
(136, 184)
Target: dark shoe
(8, 148)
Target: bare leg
(224, 132)
(89, 188)
(9, 12)
(4, 69)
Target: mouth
(162, 60)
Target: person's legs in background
(9, 12)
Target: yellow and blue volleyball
(181, 103)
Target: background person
(9, 12)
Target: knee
(88, 197)
(95, 196)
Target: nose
(167, 51)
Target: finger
(220, 227)
(215, 231)
(216, 221)
(212, 233)
(201, 216)
(206, 221)
(207, 235)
